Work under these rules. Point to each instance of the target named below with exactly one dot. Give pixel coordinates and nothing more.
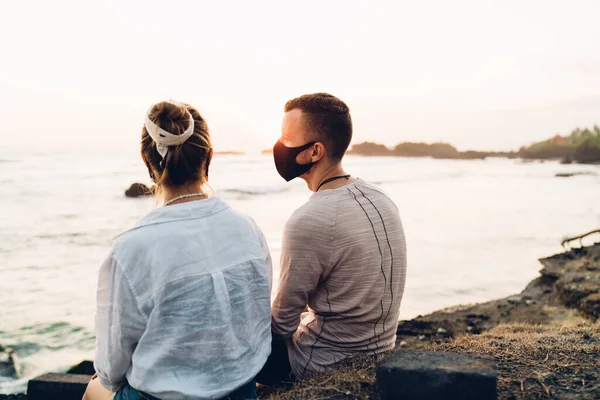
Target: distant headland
(443, 151)
(581, 146)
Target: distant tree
(436, 150)
(370, 149)
(579, 145)
(588, 151)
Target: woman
(184, 296)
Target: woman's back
(193, 281)
(183, 302)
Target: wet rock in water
(138, 190)
(570, 174)
(9, 366)
(567, 160)
(18, 396)
(424, 375)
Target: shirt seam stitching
(128, 282)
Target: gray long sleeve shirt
(343, 269)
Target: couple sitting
(183, 302)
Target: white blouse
(183, 303)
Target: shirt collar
(180, 212)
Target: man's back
(343, 254)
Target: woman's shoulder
(178, 220)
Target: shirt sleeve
(305, 254)
(119, 325)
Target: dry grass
(560, 361)
(535, 362)
(354, 379)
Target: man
(343, 257)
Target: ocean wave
(44, 347)
(256, 191)
(53, 336)
(61, 235)
(405, 179)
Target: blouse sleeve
(119, 325)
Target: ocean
(474, 229)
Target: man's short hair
(327, 120)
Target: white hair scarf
(164, 139)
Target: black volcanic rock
(432, 375)
(9, 366)
(138, 190)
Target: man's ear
(318, 152)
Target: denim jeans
(248, 391)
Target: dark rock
(415, 327)
(514, 299)
(58, 387)
(138, 190)
(425, 375)
(482, 317)
(570, 174)
(83, 368)
(567, 160)
(591, 304)
(577, 274)
(9, 365)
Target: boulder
(577, 274)
(9, 366)
(138, 190)
(425, 375)
(83, 368)
(57, 387)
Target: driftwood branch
(580, 238)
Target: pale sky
(478, 74)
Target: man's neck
(319, 174)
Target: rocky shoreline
(569, 284)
